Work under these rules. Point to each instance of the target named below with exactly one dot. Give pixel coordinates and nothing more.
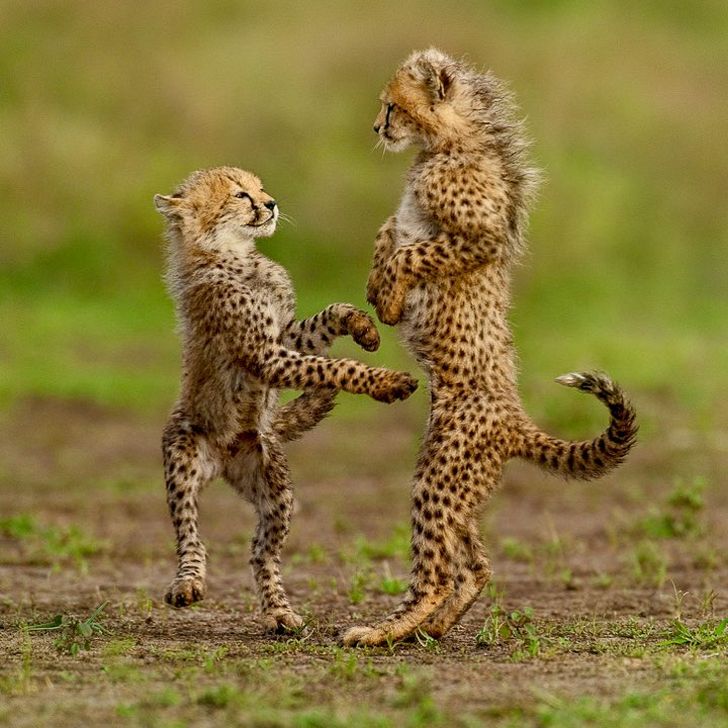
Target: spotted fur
(441, 272)
(241, 343)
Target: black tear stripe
(390, 109)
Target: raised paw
(282, 620)
(363, 636)
(396, 385)
(390, 305)
(184, 591)
(363, 330)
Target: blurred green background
(104, 104)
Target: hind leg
(434, 551)
(473, 573)
(272, 496)
(187, 468)
(472, 567)
(455, 474)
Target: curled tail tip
(572, 379)
(587, 381)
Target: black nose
(376, 128)
(270, 204)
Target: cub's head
(421, 103)
(435, 101)
(223, 205)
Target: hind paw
(282, 620)
(363, 636)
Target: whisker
(380, 143)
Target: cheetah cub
(441, 271)
(241, 343)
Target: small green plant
(213, 657)
(678, 599)
(345, 665)
(707, 602)
(603, 580)
(552, 558)
(708, 635)
(20, 683)
(649, 565)
(219, 697)
(390, 584)
(501, 627)
(357, 589)
(396, 546)
(315, 554)
(165, 698)
(19, 527)
(427, 641)
(414, 693)
(348, 666)
(679, 515)
(516, 550)
(55, 545)
(119, 647)
(74, 635)
(705, 557)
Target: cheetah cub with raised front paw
(241, 343)
(441, 271)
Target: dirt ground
(611, 570)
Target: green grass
(706, 636)
(624, 272)
(73, 634)
(50, 544)
(680, 516)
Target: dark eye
(243, 196)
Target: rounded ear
(438, 80)
(168, 206)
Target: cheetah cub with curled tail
(241, 343)
(441, 271)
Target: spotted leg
(272, 497)
(315, 335)
(433, 557)
(187, 467)
(384, 246)
(473, 573)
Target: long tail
(590, 458)
(303, 413)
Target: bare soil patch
(606, 569)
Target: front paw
(184, 591)
(394, 386)
(391, 306)
(363, 330)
